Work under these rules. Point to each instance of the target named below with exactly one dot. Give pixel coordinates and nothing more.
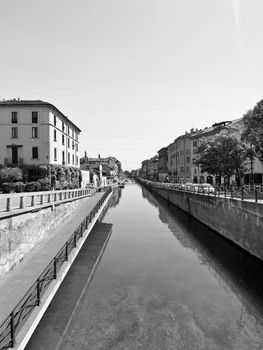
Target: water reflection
(237, 272)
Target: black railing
(18, 316)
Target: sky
(134, 74)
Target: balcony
(8, 162)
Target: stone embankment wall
(239, 221)
(19, 234)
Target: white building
(36, 133)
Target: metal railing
(12, 201)
(251, 193)
(19, 315)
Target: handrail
(18, 316)
(243, 193)
(30, 199)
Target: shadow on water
(236, 271)
(113, 202)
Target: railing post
(242, 193)
(75, 240)
(41, 199)
(55, 268)
(9, 204)
(12, 329)
(22, 202)
(38, 292)
(256, 195)
(66, 252)
(32, 200)
(55, 197)
(48, 198)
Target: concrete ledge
(241, 222)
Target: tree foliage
(222, 156)
(253, 131)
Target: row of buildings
(34, 132)
(177, 161)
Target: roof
(37, 103)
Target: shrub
(10, 175)
(45, 184)
(33, 186)
(58, 185)
(8, 187)
(19, 187)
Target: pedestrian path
(17, 282)
(53, 326)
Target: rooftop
(37, 103)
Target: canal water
(166, 281)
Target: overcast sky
(134, 74)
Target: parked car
(206, 188)
(187, 186)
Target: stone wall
(20, 233)
(239, 221)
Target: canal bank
(239, 221)
(27, 291)
(165, 281)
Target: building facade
(162, 164)
(36, 133)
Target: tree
(253, 131)
(222, 156)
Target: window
(55, 135)
(34, 117)
(76, 147)
(77, 160)
(187, 159)
(14, 133)
(194, 143)
(68, 142)
(72, 133)
(68, 130)
(55, 154)
(63, 157)
(73, 159)
(14, 117)
(72, 144)
(63, 139)
(55, 120)
(68, 158)
(34, 152)
(34, 132)
(63, 126)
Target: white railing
(14, 201)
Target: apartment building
(34, 132)
(162, 164)
(180, 158)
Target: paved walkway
(17, 282)
(57, 319)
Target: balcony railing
(8, 162)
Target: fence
(9, 202)
(252, 193)
(17, 318)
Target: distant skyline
(134, 74)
